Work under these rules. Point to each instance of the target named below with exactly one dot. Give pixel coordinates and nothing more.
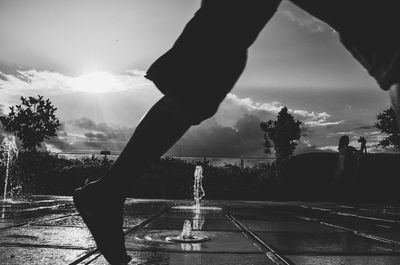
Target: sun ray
(95, 82)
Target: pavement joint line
(134, 228)
(355, 232)
(269, 251)
(52, 219)
(93, 259)
(356, 215)
(27, 245)
(40, 208)
(32, 210)
(316, 208)
(383, 226)
(37, 222)
(363, 234)
(378, 211)
(199, 251)
(346, 206)
(340, 254)
(28, 202)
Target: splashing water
(9, 153)
(187, 235)
(187, 230)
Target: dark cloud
(85, 134)
(96, 130)
(86, 123)
(306, 131)
(102, 136)
(61, 144)
(365, 127)
(302, 149)
(248, 127)
(212, 139)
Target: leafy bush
(43, 173)
(303, 177)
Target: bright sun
(95, 82)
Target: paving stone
(62, 241)
(285, 226)
(173, 258)
(327, 243)
(264, 216)
(345, 260)
(48, 235)
(77, 221)
(10, 222)
(167, 223)
(37, 256)
(229, 242)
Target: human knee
(201, 112)
(198, 110)
(193, 110)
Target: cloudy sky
(89, 58)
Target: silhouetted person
(347, 169)
(202, 67)
(363, 148)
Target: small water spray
(187, 230)
(9, 151)
(187, 235)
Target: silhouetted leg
(159, 129)
(369, 30)
(395, 100)
(100, 203)
(195, 75)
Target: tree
(387, 124)
(281, 135)
(32, 121)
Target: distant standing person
(363, 145)
(346, 172)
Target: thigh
(368, 30)
(227, 24)
(210, 54)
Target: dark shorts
(210, 54)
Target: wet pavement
(48, 230)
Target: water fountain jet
(198, 193)
(9, 151)
(187, 238)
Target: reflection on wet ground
(48, 230)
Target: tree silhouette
(32, 121)
(281, 135)
(387, 124)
